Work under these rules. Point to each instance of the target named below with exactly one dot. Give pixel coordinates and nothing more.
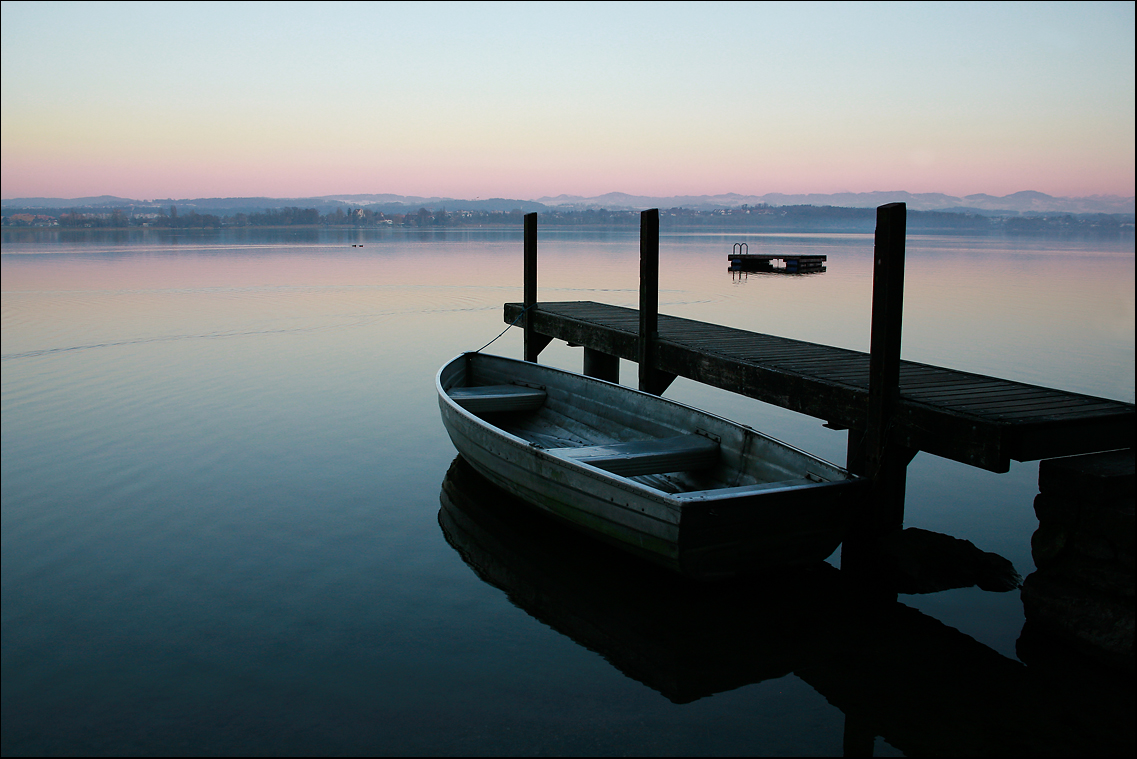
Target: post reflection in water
(926, 688)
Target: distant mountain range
(1016, 203)
(1027, 202)
(382, 202)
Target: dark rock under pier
(1082, 596)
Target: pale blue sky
(526, 100)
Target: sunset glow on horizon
(524, 101)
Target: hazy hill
(1015, 203)
(101, 200)
(1027, 202)
(387, 203)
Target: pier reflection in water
(926, 688)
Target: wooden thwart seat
(673, 454)
(490, 398)
(756, 488)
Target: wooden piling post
(533, 341)
(871, 452)
(649, 297)
(886, 462)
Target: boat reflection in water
(684, 639)
(894, 672)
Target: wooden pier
(977, 420)
(891, 408)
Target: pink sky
(958, 99)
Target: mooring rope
(514, 322)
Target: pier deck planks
(978, 420)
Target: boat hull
(709, 533)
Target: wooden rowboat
(700, 494)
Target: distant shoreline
(740, 219)
(1032, 228)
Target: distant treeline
(831, 218)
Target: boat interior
(660, 444)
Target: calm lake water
(233, 523)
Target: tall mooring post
(871, 451)
(649, 294)
(651, 379)
(534, 342)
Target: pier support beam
(601, 365)
(534, 343)
(651, 379)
